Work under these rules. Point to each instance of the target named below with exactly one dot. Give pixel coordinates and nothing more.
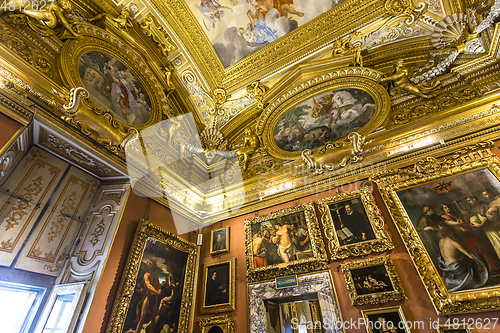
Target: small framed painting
(219, 240)
(373, 281)
(385, 320)
(219, 281)
(218, 324)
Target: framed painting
(447, 214)
(218, 324)
(353, 224)
(156, 288)
(454, 328)
(373, 281)
(285, 242)
(308, 119)
(219, 281)
(385, 320)
(219, 240)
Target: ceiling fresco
(238, 28)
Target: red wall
(9, 128)
(418, 307)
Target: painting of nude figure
(326, 117)
(458, 221)
(237, 28)
(284, 241)
(115, 88)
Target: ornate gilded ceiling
(227, 106)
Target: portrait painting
(284, 238)
(385, 320)
(161, 267)
(218, 286)
(447, 212)
(353, 224)
(236, 29)
(114, 87)
(326, 117)
(373, 281)
(458, 223)
(219, 240)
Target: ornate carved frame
(329, 80)
(423, 171)
(126, 288)
(397, 309)
(382, 239)
(96, 39)
(232, 282)
(398, 294)
(318, 262)
(320, 283)
(451, 327)
(223, 322)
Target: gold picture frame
(380, 239)
(385, 286)
(390, 317)
(452, 328)
(225, 323)
(217, 296)
(150, 243)
(219, 240)
(266, 263)
(470, 167)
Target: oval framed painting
(327, 112)
(120, 81)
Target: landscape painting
(326, 117)
(458, 222)
(237, 28)
(115, 88)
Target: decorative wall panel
(23, 196)
(89, 258)
(54, 235)
(16, 150)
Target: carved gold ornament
(390, 182)
(159, 36)
(317, 262)
(225, 323)
(145, 231)
(380, 243)
(395, 293)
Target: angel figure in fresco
(324, 105)
(45, 22)
(262, 7)
(121, 95)
(213, 11)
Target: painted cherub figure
(45, 21)
(399, 81)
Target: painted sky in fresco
(237, 28)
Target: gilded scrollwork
(319, 260)
(337, 155)
(126, 288)
(396, 294)
(424, 171)
(380, 243)
(122, 21)
(159, 36)
(225, 323)
(432, 106)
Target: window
(19, 306)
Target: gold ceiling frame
(297, 44)
(325, 80)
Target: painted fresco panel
(237, 28)
(326, 117)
